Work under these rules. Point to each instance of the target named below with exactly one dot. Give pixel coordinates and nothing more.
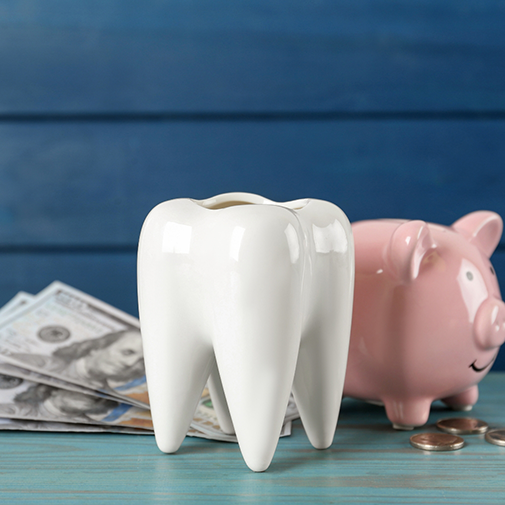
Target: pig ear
(409, 244)
(481, 228)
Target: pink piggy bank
(428, 315)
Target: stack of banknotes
(70, 362)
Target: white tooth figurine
(258, 295)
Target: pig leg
(464, 400)
(407, 414)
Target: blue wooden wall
(389, 108)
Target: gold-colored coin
(436, 442)
(496, 437)
(462, 426)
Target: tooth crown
(258, 296)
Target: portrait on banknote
(112, 358)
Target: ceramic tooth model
(428, 316)
(258, 296)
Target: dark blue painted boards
(94, 183)
(267, 55)
(110, 277)
(387, 108)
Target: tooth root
(178, 370)
(178, 358)
(256, 352)
(318, 386)
(219, 402)
(320, 371)
(257, 383)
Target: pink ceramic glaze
(428, 315)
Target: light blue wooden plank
(368, 462)
(361, 55)
(94, 183)
(110, 277)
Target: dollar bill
(67, 334)
(30, 375)
(22, 399)
(205, 420)
(21, 300)
(18, 301)
(30, 425)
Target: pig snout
(490, 324)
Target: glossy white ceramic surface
(258, 296)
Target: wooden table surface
(369, 462)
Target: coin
(436, 442)
(496, 437)
(462, 426)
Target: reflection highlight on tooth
(176, 238)
(236, 241)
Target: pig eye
(492, 270)
(469, 276)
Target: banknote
(22, 399)
(67, 334)
(30, 375)
(30, 425)
(205, 420)
(19, 300)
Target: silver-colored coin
(436, 442)
(496, 437)
(462, 426)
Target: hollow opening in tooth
(237, 199)
(296, 204)
(224, 205)
(231, 200)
